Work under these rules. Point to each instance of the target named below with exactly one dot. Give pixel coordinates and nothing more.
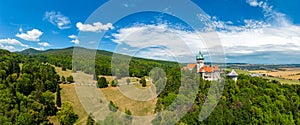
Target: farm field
(286, 73)
(283, 81)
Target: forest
(29, 92)
(251, 100)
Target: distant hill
(64, 51)
(69, 51)
(30, 51)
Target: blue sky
(249, 31)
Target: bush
(143, 82)
(64, 68)
(112, 107)
(114, 83)
(66, 115)
(70, 79)
(102, 82)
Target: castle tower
(200, 61)
(233, 75)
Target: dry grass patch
(287, 73)
(284, 73)
(54, 120)
(60, 72)
(108, 78)
(68, 93)
(259, 71)
(139, 108)
(283, 81)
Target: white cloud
(95, 27)
(10, 48)
(39, 48)
(253, 3)
(58, 19)
(272, 17)
(254, 37)
(72, 36)
(258, 39)
(76, 41)
(10, 44)
(14, 42)
(20, 29)
(151, 38)
(44, 44)
(32, 35)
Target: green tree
(25, 84)
(58, 97)
(66, 115)
(114, 83)
(112, 107)
(48, 102)
(70, 79)
(24, 119)
(63, 79)
(102, 82)
(90, 120)
(64, 68)
(128, 114)
(143, 82)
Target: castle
(207, 72)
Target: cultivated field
(283, 81)
(283, 75)
(286, 73)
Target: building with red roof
(208, 72)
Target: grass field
(139, 108)
(110, 78)
(118, 95)
(239, 71)
(68, 93)
(66, 73)
(284, 75)
(283, 81)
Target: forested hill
(69, 51)
(27, 91)
(63, 58)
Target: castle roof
(191, 65)
(232, 74)
(208, 69)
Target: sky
(232, 31)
